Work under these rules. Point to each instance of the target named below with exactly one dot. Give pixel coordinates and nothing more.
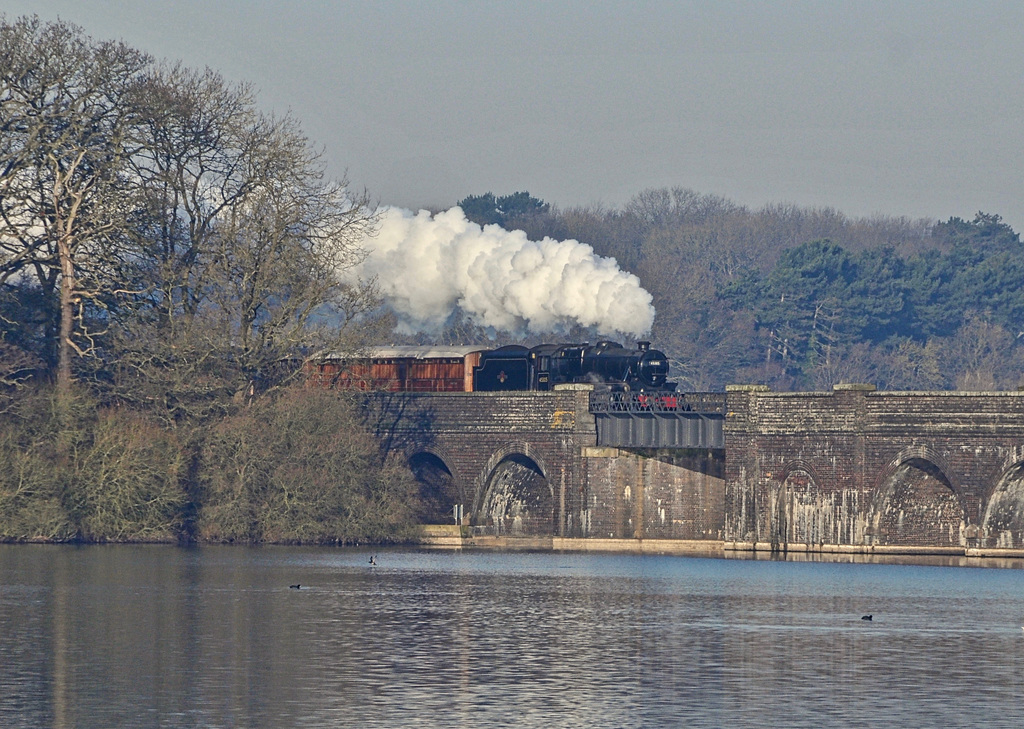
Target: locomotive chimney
(643, 346)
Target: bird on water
(866, 617)
(293, 587)
(373, 560)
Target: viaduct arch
(1003, 523)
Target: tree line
(169, 256)
(806, 298)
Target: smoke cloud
(427, 266)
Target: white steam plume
(426, 266)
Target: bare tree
(980, 355)
(190, 241)
(244, 243)
(63, 105)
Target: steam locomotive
(606, 363)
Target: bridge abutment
(665, 493)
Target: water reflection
(161, 636)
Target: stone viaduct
(860, 468)
(530, 463)
(849, 470)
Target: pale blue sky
(911, 108)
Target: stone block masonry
(655, 493)
(851, 470)
(514, 458)
(875, 470)
(525, 464)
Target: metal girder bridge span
(659, 420)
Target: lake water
(128, 636)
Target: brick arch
(1014, 457)
(1002, 523)
(439, 489)
(919, 453)
(804, 514)
(799, 464)
(512, 448)
(511, 500)
(907, 509)
(437, 450)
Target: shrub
(301, 468)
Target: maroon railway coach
(401, 369)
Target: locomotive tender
(605, 364)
